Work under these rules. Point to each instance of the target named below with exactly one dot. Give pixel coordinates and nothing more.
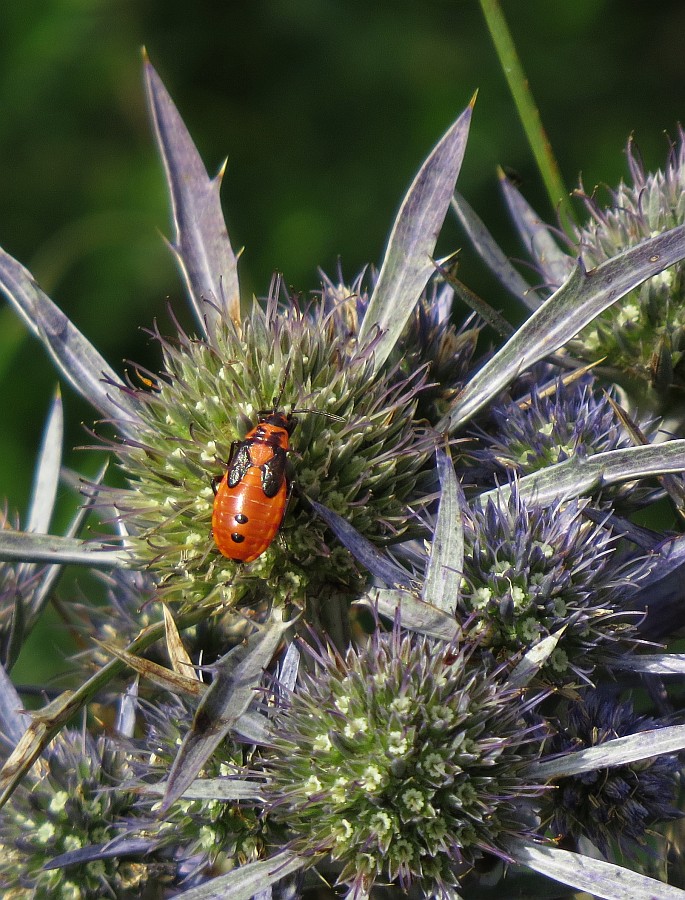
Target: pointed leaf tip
(75, 357)
(46, 479)
(409, 257)
(201, 244)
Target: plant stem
(527, 110)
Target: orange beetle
(251, 497)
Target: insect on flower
(252, 496)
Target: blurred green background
(325, 110)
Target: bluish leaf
(253, 728)
(288, 668)
(53, 548)
(222, 789)
(50, 574)
(415, 614)
(491, 254)
(201, 244)
(598, 878)
(127, 709)
(409, 257)
(75, 357)
(583, 297)
(442, 582)
(536, 235)
(245, 881)
(378, 564)
(43, 494)
(114, 849)
(533, 661)
(583, 475)
(618, 752)
(47, 470)
(653, 664)
(13, 722)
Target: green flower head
(402, 760)
(68, 803)
(644, 335)
(356, 448)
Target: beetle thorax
(277, 420)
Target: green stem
(527, 110)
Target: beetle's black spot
(241, 518)
(237, 538)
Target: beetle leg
(291, 485)
(234, 448)
(215, 480)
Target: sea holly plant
(410, 685)
(639, 341)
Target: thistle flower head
(614, 806)
(67, 803)
(546, 428)
(643, 335)
(530, 571)
(363, 464)
(175, 436)
(553, 422)
(402, 760)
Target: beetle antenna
(281, 390)
(317, 412)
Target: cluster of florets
(362, 464)
(73, 799)
(550, 420)
(643, 335)
(402, 760)
(532, 571)
(612, 807)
